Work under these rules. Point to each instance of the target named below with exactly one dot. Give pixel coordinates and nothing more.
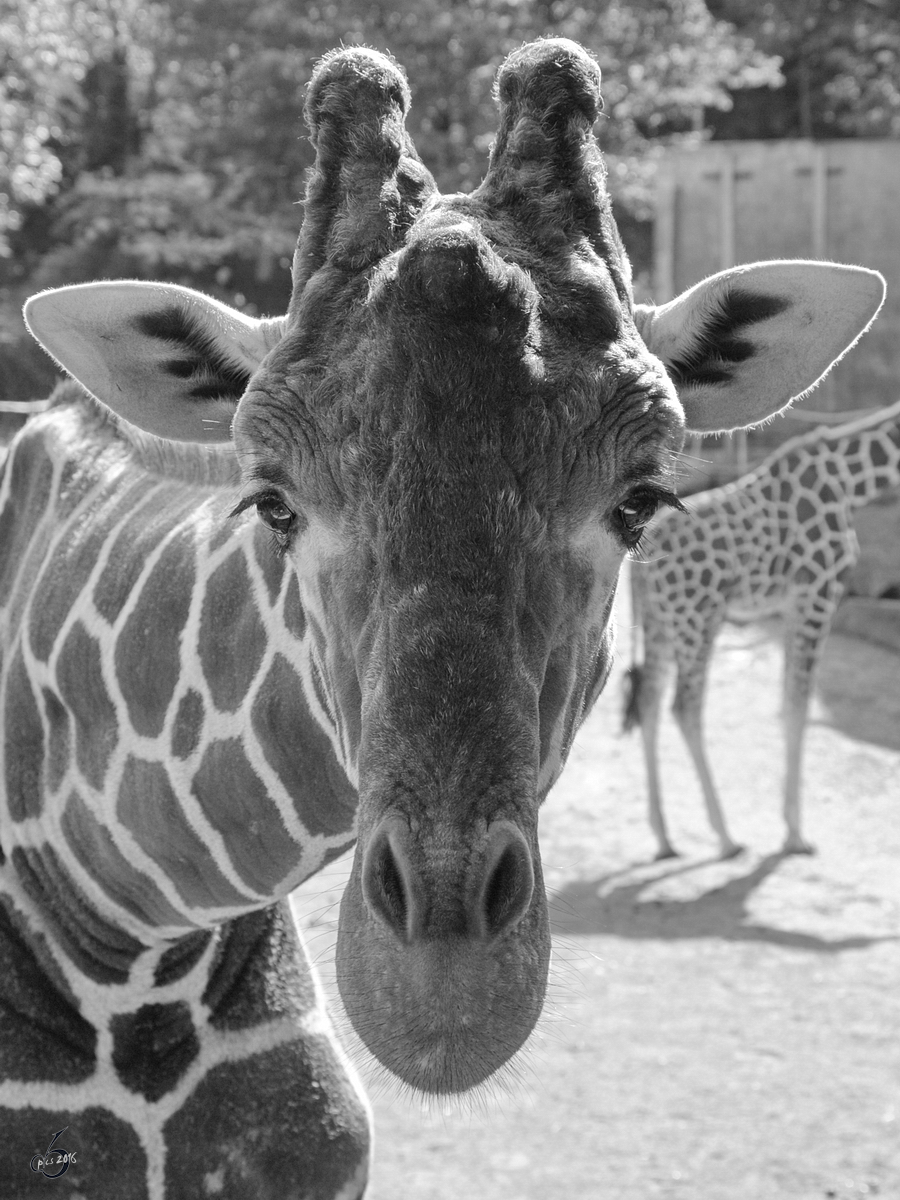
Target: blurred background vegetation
(165, 140)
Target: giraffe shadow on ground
(858, 688)
(618, 909)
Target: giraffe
(779, 539)
(280, 585)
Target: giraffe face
(455, 449)
(457, 525)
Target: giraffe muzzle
(443, 948)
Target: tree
(166, 140)
(841, 66)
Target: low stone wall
(875, 620)
(878, 528)
(871, 606)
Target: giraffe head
(455, 436)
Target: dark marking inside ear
(202, 364)
(718, 347)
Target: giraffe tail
(631, 713)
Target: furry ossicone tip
(352, 83)
(553, 77)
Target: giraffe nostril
(509, 882)
(384, 884)
(482, 900)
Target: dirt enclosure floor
(715, 1031)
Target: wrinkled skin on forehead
(455, 430)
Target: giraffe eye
(272, 511)
(635, 514)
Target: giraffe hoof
(732, 850)
(665, 852)
(797, 845)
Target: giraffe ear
(741, 345)
(170, 360)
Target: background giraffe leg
(796, 704)
(688, 712)
(805, 638)
(649, 682)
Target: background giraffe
(779, 539)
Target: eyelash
(280, 539)
(653, 499)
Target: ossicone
(545, 164)
(368, 183)
(353, 87)
(553, 80)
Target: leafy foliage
(841, 65)
(165, 140)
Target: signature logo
(55, 1157)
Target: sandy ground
(715, 1031)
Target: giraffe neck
(147, 1070)
(167, 719)
(858, 461)
(162, 713)
(780, 535)
(868, 454)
